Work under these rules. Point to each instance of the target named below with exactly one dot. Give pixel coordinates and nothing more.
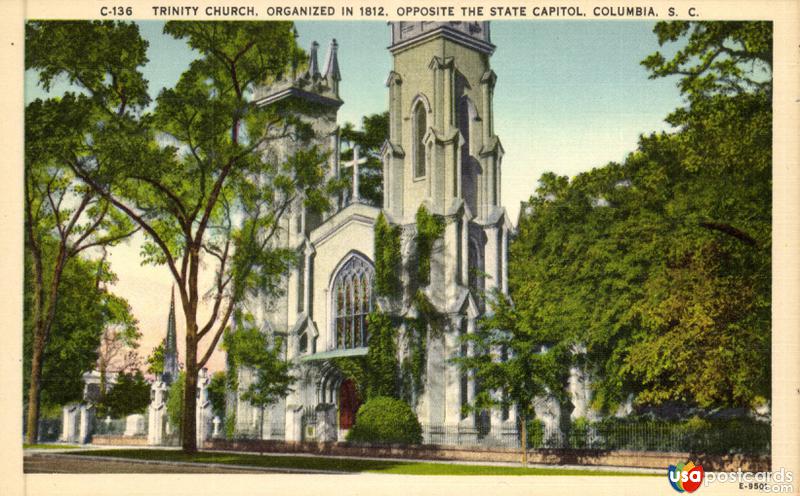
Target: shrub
(384, 420)
(535, 433)
(580, 430)
(175, 401)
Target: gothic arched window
(352, 302)
(420, 119)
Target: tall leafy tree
(130, 394)
(660, 265)
(57, 206)
(194, 176)
(75, 332)
(248, 347)
(514, 361)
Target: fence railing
(108, 426)
(737, 436)
(274, 430)
(730, 437)
(49, 430)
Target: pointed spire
(313, 65)
(171, 345)
(332, 63)
(332, 74)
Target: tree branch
(731, 231)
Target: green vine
(377, 373)
(388, 258)
(429, 229)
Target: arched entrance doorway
(349, 401)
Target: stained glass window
(352, 290)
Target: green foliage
(230, 426)
(535, 433)
(370, 140)
(129, 395)
(381, 359)
(194, 173)
(378, 373)
(660, 266)
(63, 217)
(388, 259)
(384, 420)
(217, 392)
(248, 347)
(76, 330)
(717, 436)
(507, 355)
(175, 400)
(413, 366)
(718, 57)
(155, 361)
(579, 432)
(429, 229)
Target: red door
(349, 402)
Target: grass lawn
(49, 446)
(340, 464)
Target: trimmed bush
(384, 420)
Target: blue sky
(570, 96)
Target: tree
(194, 177)
(155, 361)
(660, 266)
(728, 58)
(74, 334)
(176, 398)
(248, 347)
(217, 390)
(369, 140)
(130, 394)
(514, 360)
(57, 206)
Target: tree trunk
(189, 431)
(524, 440)
(32, 435)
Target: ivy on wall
(429, 229)
(380, 372)
(388, 258)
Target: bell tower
(442, 153)
(442, 147)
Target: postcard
(393, 247)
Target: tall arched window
(420, 127)
(352, 302)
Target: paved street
(66, 464)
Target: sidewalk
(341, 457)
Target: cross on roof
(354, 163)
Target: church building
(441, 154)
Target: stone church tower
(442, 153)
